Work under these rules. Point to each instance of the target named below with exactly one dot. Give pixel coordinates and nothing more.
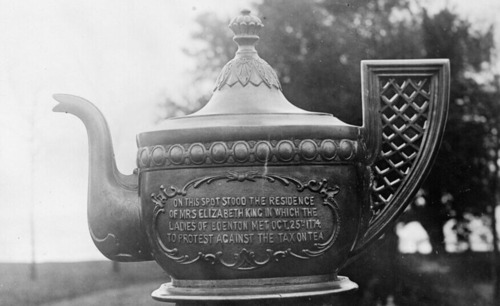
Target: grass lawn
(62, 281)
(454, 279)
(423, 280)
(128, 296)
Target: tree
(316, 47)
(462, 169)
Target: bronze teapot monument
(252, 197)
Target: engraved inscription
(301, 221)
(284, 219)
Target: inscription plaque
(244, 220)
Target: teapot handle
(405, 104)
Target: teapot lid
(247, 83)
(247, 101)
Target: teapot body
(254, 209)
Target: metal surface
(260, 289)
(411, 97)
(253, 198)
(113, 205)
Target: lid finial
(246, 28)
(247, 67)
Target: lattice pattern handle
(405, 104)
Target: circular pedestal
(214, 291)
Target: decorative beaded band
(248, 152)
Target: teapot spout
(114, 211)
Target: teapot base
(257, 289)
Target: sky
(124, 56)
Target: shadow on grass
(387, 277)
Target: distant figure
(413, 238)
